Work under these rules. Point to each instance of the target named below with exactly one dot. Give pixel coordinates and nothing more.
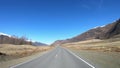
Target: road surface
(57, 58)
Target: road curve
(57, 58)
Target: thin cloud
(84, 4)
(91, 4)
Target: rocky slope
(105, 32)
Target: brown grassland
(8, 51)
(11, 55)
(111, 45)
(99, 53)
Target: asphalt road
(57, 58)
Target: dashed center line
(56, 56)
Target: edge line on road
(79, 58)
(30, 60)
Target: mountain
(58, 42)
(5, 34)
(8, 39)
(38, 44)
(104, 32)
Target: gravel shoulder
(8, 64)
(99, 59)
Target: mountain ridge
(39, 44)
(104, 32)
(9, 39)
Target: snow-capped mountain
(5, 34)
(102, 32)
(8, 39)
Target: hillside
(106, 32)
(39, 44)
(8, 39)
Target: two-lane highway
(57, 58)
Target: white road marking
(56, 56)
(80, 58)
(30, 60)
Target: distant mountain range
(39, 44)
(8, 39)
(104, 32)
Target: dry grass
(99, 53)
(17, 51)
(111, 45)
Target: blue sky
(50, 20)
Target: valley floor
(14, 54)
(99, 53)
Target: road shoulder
(99, 59)
(8, 64)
